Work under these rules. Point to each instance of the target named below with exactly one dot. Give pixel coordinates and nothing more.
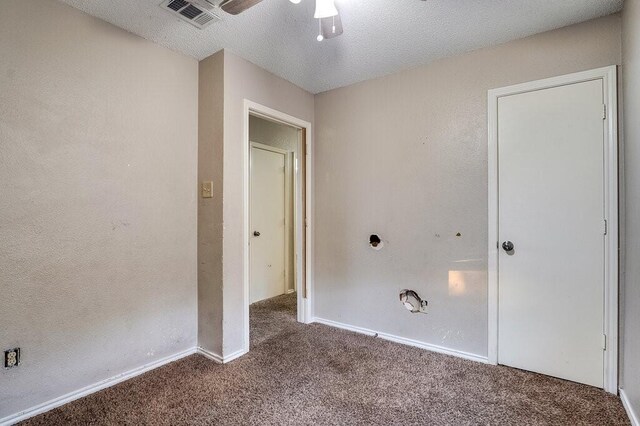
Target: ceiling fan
(329, 22)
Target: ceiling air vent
(198, 13)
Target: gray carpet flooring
(312, 374)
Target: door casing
(609, 77)
(303, 220)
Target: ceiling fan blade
(327, 27)
(235, 7)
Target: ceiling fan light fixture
(325, 9)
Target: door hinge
(604, 342)
(604, 111)
(606, 227)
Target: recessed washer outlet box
(199, 13)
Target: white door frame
(610, 328)
(305, 305)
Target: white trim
(612, 214)
(210, 355)
(219, 359)
(633, 416)
(269, 148)
(309, 222)
(608, 75)
(403, 340)
(232, 357)
(287, 222)
(88, 390)
(304, 304)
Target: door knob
(507, 246)
(256, 233)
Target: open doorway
(276, 290)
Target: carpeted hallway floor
(312, 374)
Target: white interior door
(267, 231)
(551, 208)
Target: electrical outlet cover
(11, 358)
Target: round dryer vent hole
(375, 242)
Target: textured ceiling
(380, 36)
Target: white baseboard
(404, 340)
(633, 416)
(219, 359)
(210, 355)
(88, 390)
(234, 356)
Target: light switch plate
(207, 189)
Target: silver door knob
(507, 246)
(256, 233)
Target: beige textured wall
(244, 80)
(406, 156)
(98, 159)
(284, 137)
(631, 292)
(210, 168)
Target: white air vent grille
(176, 5)
(198, 13)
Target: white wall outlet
(11, 358)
